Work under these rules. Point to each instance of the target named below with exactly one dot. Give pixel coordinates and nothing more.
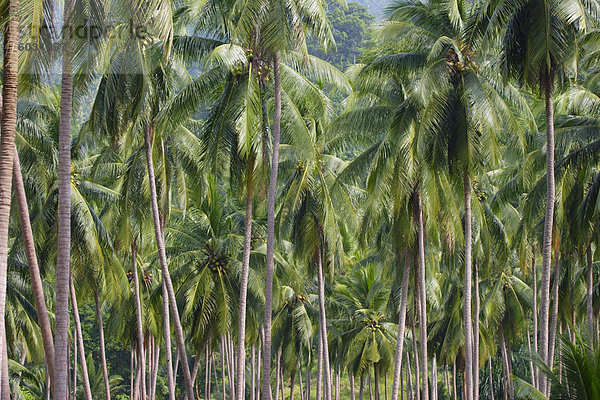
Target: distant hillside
(375, 7)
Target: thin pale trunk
(401, 328)
(352, 397)
(222, 356)
(176, 364)
(467, 315)
(138, 317)
(422, 300)
(385, 388)
(300, 379)
(207, 376)
(319, 365)
(7, 146)
(434, 394)
(102, 345)
(253, 372)
(266, 383)
(230, 368)
(155, 370)
(63, 252)
(259, 364)
(409, 378)
(401, 382)
(362, 387)
(548, 86)
(241, 345)
(167, 337)
(160, 244)
(506, 368)
(554, 318)
(196, 368)
(491, 381)
(308, 380)
(292, 384)
(377, 388)
(281, 381)
(84, 372)
(416, 354)
(277, 374)
(590, 291)
(536, 379)
(131, 373)
(531, 368)
(476, 334)
(454, 393)
(32, 263)
(337, 381)
(323, 326)
(213, 368)
(370, 386)
(138, 375)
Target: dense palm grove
(193, 205)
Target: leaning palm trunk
(84, 372)
(548, 85)
(34, 271)
(467, 293)
(554, 318)
(160, 244)
(323, 326)
(7, 145)
(422, 299)
(401, 329)
(241, 345)
(266, 383)
(167, 337)
(102, 345)
(536, 379)
(319, 365)
(138, 316)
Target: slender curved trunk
(422, 299)
(454, 392)
(160, 244)
(548, 85)
(409, 385)
(167, 337)
(508, 388)
(467, 315)
(7, 146)
(352, 396)
(277, 374)
(319, 365)
(401, 328)
(292, 384)
(338, 377)
(138, 316)
(308, 384)
(434, 394)
(416, 353)
(266, 384)
(491, 381)
(536, 379)
(323, 326)
(362, 387)
(222, 359)
(241, 344)
(34, 271)
(590, 291)
(102, 344)
(253, 372)
(84, 372)
(476, 334)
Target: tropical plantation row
(194, 206)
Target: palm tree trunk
(491, 381)
(63, 252)
(266, 384)
(536, 379)
(86, 380)
(253, 372)
(362, 387)
(401, 328)
(422, 299)
(505, 368)
(7, 146)
(160, 244)
(131, 373)
(401, 382)
(207, 376)
(102, 345)
(222, 356)
(308, 379)
(138, 316)
(467, 315)
(241, 345)
(409, 385)
(277, 374)
(292, 384)
(351, 377)
(230, 366)
(476, 335)
(548, 86)
(300, 379)
(370, 386)
(454, 393)
(337, 381)
(34, 271)
(554, 318)
(259, 363)
(590, 290)
(434, 394)
(376, 377)
(416, 352)
(167, 337)
(281, 380)
(531, 367)
(319, 364)
(155, 369)
(323, 326)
